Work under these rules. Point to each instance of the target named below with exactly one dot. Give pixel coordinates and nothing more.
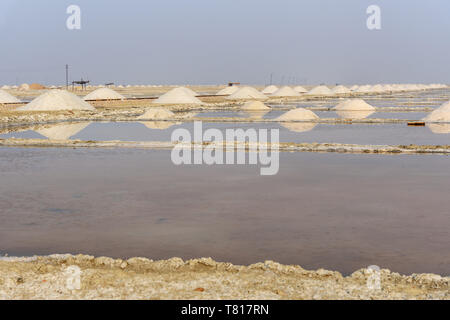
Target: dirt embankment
(140, 278)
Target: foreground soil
(140, 278)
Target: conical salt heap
(57, 100)
(340, 90)
(62, 131)
(300, 89)
(320, 91)
(178, 96)
(5, 97)
(24, 87)
(285, 92)
(442, 114)
(270, 89)
(299, 114)
(227, 91)
(189, 91)
(104, 94)
(157, 114)
(247, 93)
(354, 105)
(255, 105)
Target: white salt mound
(62, 131)
(442, 114)
(157, 113)
(56, 100)
(178, 96)
(24, 87)
(286, 92)
(247, 93)
(299, 114)
(364, 89)
(255, 105)
(270, 89)
(189, 91)
(354, 105)
(340, 90)
(300, 89)
(6, 87)
(320, 91)
(5, 97)
(227, 91)
(104, 94)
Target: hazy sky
(216, 41)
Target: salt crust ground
(141, 278)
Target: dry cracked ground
(141, 278)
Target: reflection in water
(256, 114)
(299, 126)
(61, 131)
(354, 114)
(159, 125)
(439, 127)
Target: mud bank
(283, 146)
(141, 278)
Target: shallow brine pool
(334, 211)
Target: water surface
(336, 211)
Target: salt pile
(442, 114)
(300, 89)
(178, 96)
(24, 87)
(104, 94)
(354, 105)
(227, 91)
(340, 90)
(5, 87)
(255, 105)
(285, 92)
(299, 114)
(378, 88)
(189, 91)
(247, 93)
(5, 97)
(270, 89)
(364, 89)
(157, 113)
(62, 131)
(56, 100)
(354, 88)
(320, 91)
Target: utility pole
(67, 77)
(271, 77)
